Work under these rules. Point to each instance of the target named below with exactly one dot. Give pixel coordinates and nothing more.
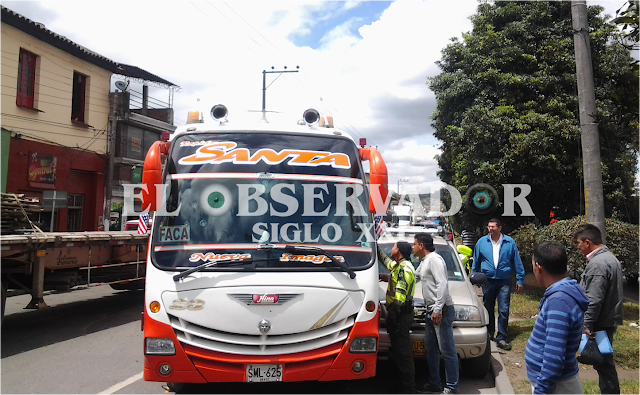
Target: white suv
(470, 325)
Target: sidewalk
(503, 385)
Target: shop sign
(136, 176)
(42, 168)
(117, 191)
(136, 144)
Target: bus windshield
(238, 195)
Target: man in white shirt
(496, 255)
(433, 276)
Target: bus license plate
(264, 373)
(417, 347)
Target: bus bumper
(194, 365)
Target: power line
(254, 29)
(149, 98)
(210, 18)
(236, 26)
(46, 122)
(63, 104)
(92, 98)
(37, 138)
(352, 129)
(90, 142)
(45, 70)
(346, 124)
(50, 132)
(93, 87)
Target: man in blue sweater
(496, 255)
(550, 356)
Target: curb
(502, 382)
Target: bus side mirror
(152, 173)
(378, 178)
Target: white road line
(121, 384)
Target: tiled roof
(39, 31)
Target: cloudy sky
(364, 62)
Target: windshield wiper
(294, 248)
(222, 262)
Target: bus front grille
(261, 345)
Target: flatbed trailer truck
(40, 261)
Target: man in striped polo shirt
(550, 355)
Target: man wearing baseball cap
(400, 310)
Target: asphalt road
(89, 341)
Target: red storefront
(36, 167)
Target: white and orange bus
(262, 263)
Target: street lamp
(264, 82)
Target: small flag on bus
(142, 224)
(379, 225)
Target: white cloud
(350, 4)
(340, 38)
(373, 82)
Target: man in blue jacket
(552, 367)
(496, 255)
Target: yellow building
(55, 120)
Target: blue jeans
(439, 340)
(500, 290)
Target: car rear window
(446, 252)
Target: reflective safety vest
(402, 280)
(464, 252)
(465, 262)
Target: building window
(78, 100)
(26, 79)
(75, 203)
(133, 142)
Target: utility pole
(145, 99)
(592, 170)
(403, 180)
(264, 83)
(111, 144)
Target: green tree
(629, 19)
(507, 110)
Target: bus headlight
(159, 346)
(361, 345)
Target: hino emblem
(269, 299)
(265, 298)
(264, 326)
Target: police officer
(402, 283)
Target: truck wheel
(128, 286)
(477, 368)
(4, 298)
